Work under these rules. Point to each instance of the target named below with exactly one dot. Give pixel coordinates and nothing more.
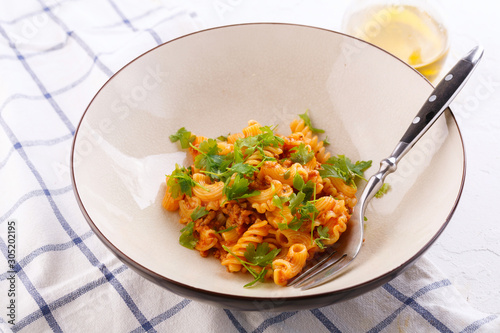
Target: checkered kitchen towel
(54, 56)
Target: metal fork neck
(389, 165)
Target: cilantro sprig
(226, 230)
(180, 182)
(307, 121)
(223, 137)
(187, 238)
(279, 201)
(209, 159)
(307, 189)
(342, 167)
(198, 213)
(301, 154)
(323, 235)
(383, 190)
(260, 256)
(245, 147)
(239, 189)
(183, 136)
(301, 204)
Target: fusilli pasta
(261, 202)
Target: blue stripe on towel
(40, 85)
(71, 233)
(411, 302)
(77, 38)
(40, 301)
(325, 321)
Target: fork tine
(323, 264)
(312, 270)
(342, 253)
(328, 272)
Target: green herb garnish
(308, 123)
(209, 159)
(180, 182)
(239, 189)
(296, 200)
(383, 190)
(243, 169)
(323, 235)
(226, 230)
(183, 136)
(245, 147)
(199, 212)
(342, 167)
(187, 238)
(222, 138)
(301, 154)
(260, 256)
(307, 188)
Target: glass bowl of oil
(413, 31)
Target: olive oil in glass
(415, 34)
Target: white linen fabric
(54, 56)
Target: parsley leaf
(222, 137)
(307, 210)
(279, 201)
(245, 147)
(209, 147)
(260, 256)
(282, 225)
(295, 201)
(295, 223)
(301, 154)
(180, 182)
(187, 238)
(199, 212)
(383, 190)
(323, 234)
(225, 230)
(267, 137)
(333, 171)
(306, 188)
(239, 189)
(209, 160)
(308, 123)
(342, 167)
(298, 182)
(184, 136)
(326, 142)
(258, 276)
(243, 169)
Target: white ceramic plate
(212, 83)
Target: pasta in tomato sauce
(261, 202)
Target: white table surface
(468, 251)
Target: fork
(343, 252)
